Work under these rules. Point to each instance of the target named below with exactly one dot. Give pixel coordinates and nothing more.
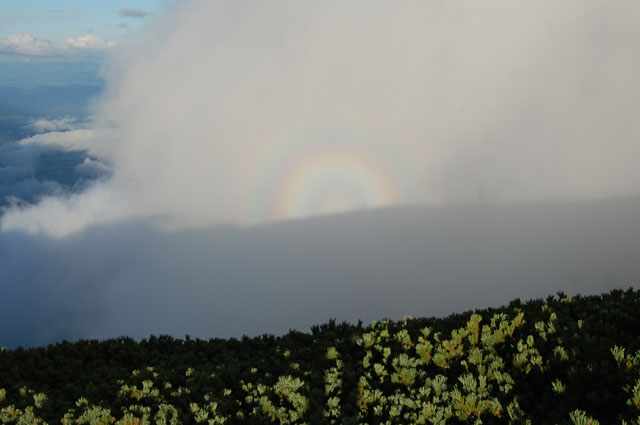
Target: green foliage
(578, 417)
(465, 378)
(567, 360)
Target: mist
(251, 112)
(263, 158)
(132, 279)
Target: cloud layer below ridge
(132, 279)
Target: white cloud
(27, 45)
(92, 168)
(78, 139)
(221, 112)
(62, 124)
(26, 176)
(63, 215)
(89, 41)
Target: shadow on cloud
(134, 279)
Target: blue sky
(57, 43)
(59, 19)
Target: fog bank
(131, 279)
(250, 112)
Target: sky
(59, 20)
(44, 43)
(252, 167)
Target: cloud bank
(131, 279)
(257, 113)
(223, 112)
(26, 45)
(48, 164)
(43, 125)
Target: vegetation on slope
(565, 360)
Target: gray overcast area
(129, 279)
(470, 153)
